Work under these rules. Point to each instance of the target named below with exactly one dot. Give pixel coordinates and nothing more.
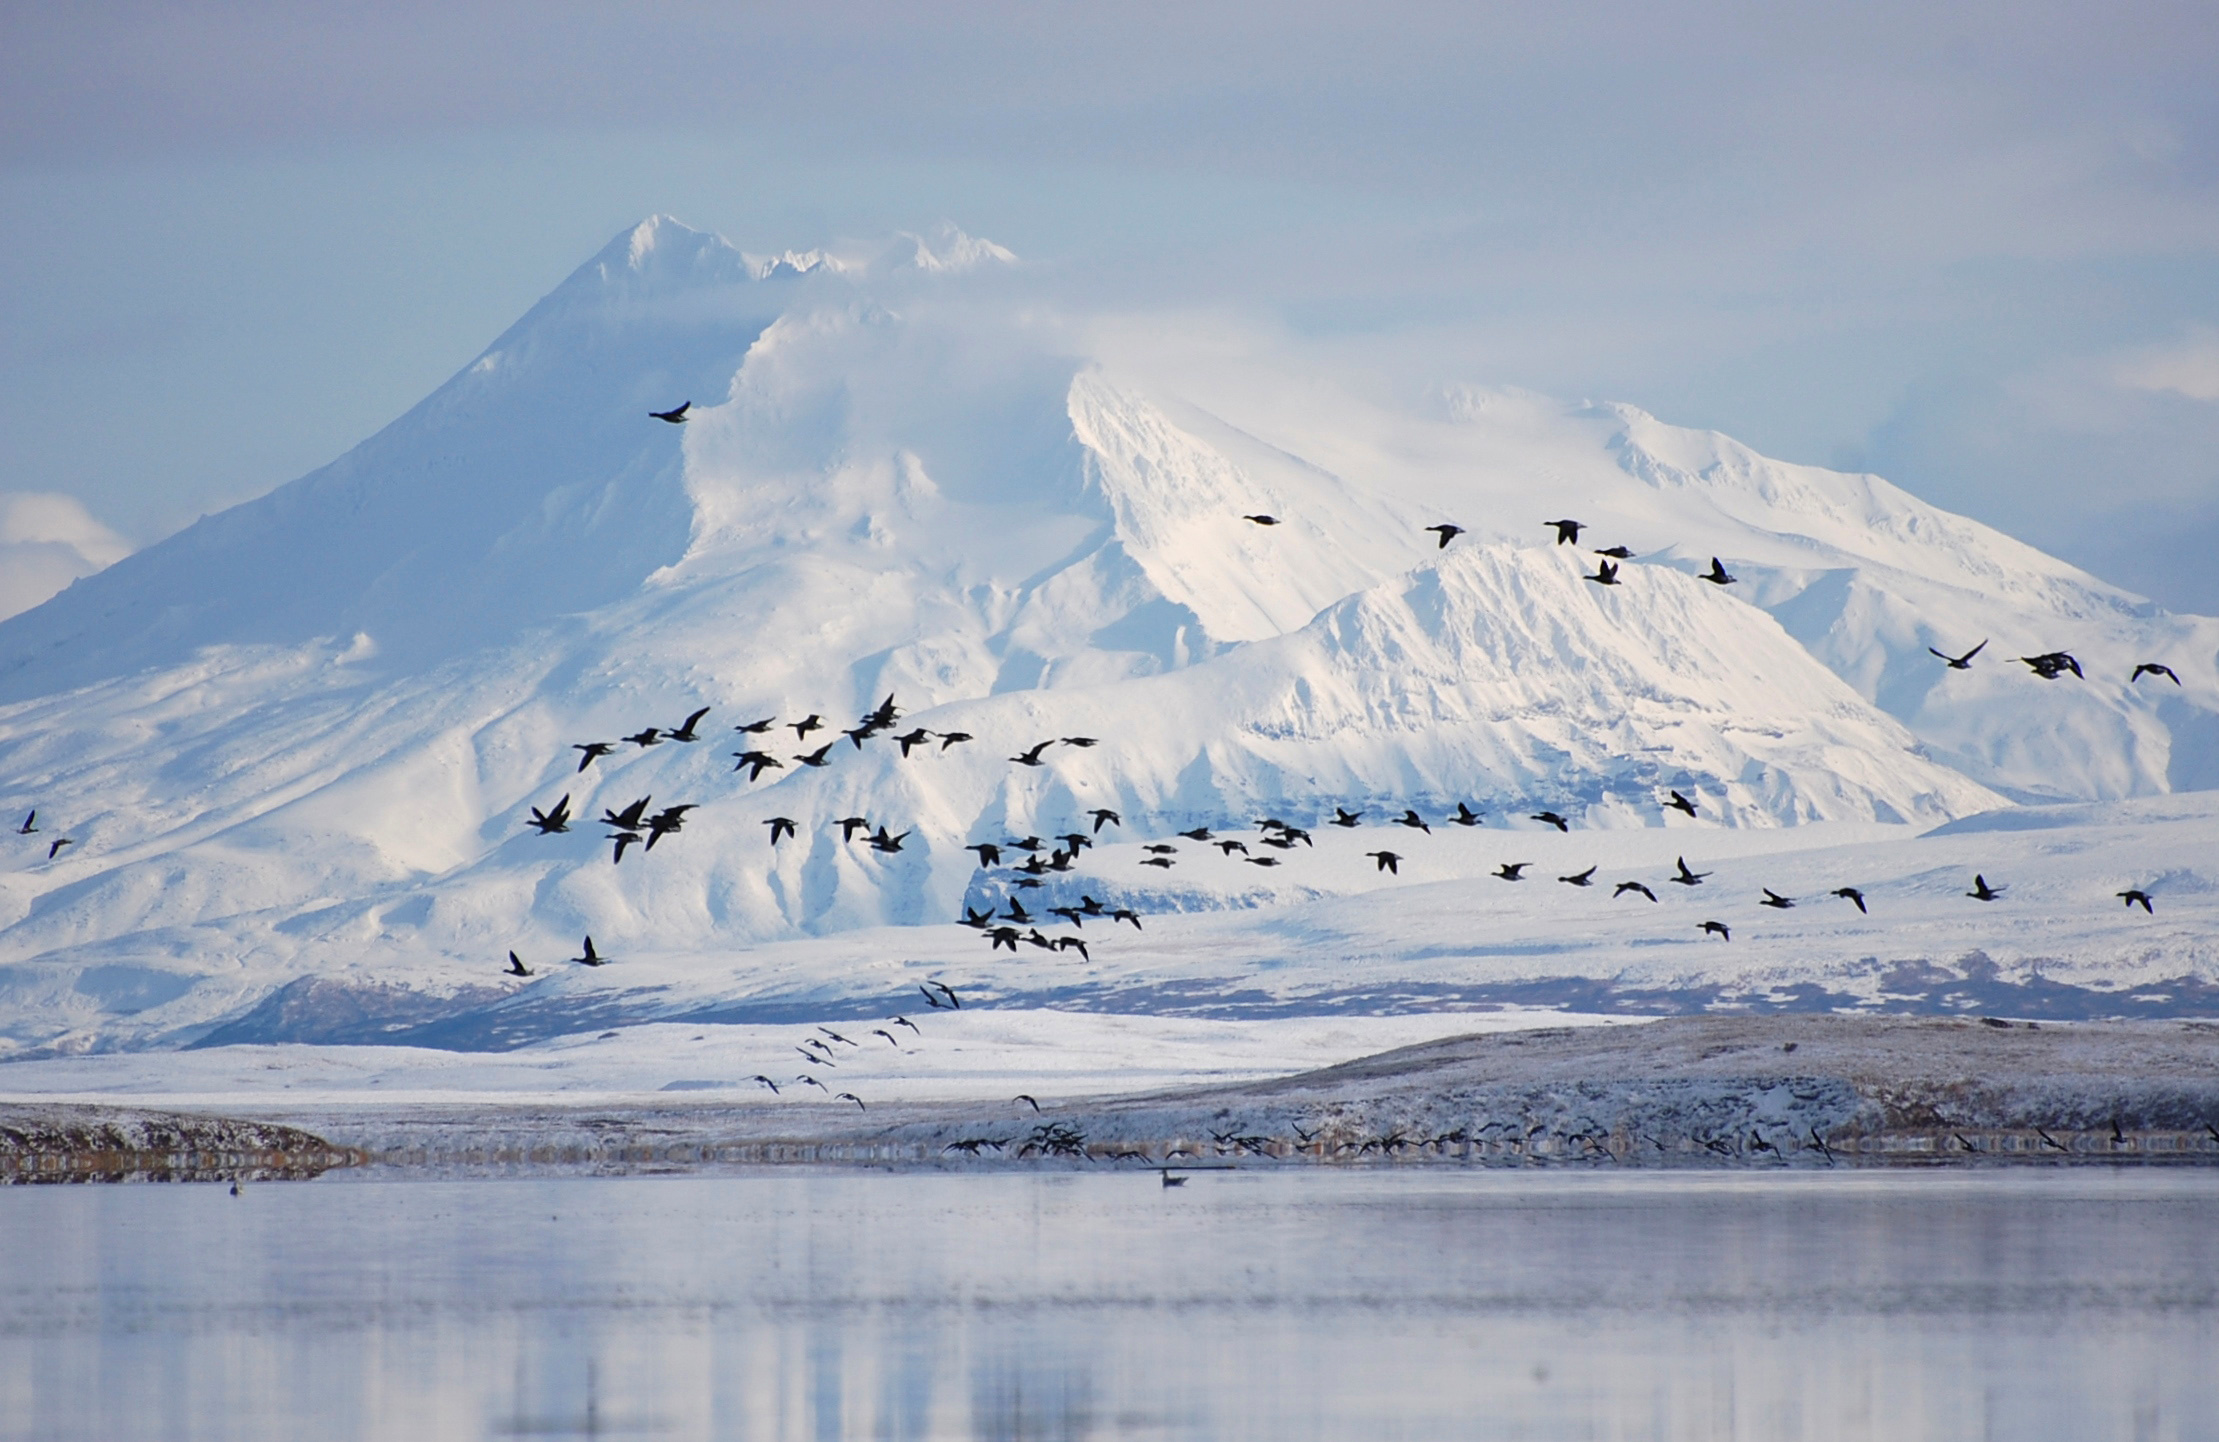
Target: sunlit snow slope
(301, 738)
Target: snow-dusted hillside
(303, 738)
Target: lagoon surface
(2069, 1304)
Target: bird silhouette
(766, 1081)
(950, 738)
(1626, 886)
(780, 826)
(949, 992)
(1082, 742)
(517, 967)
(976, 919)
(1347, 818)
(807, 724)
(1262, 520)
(1512, 870)
(1388, 861)
(1030, 843)
(1261, 860)
(809, 1081)
(1553, 819)
(1687, 877)
(30, 824)
(1000, 937)
(1413, 820)
(1032, 757)
(930, 1000)
(1717, 929)
(1775, 900)
(552, 821)
(1229, 847)
(817, 757)
(757, 762)
(1073, 841)
(2153, 668)
(1199, 833)
(1103, 816)
(917, 737)
(2137, 897)
(905, 1021)
(1616, 553)
(1581, 878)
(757, 728)
(849, 825)
(686, 732)
(2052, 664)
(860, 735)
(652, 736)
(1681, 803)
(1982, 891)
(622, 840)
(885, 843)
(594, 751)
(1852, 894)
(629, 818)
(1465, 816)
(1567, 532)
(666, 821)
(851, 1097)
(1606, 573)
(989, 853)
(1960, 663)
(590, 957)
(1125, 914)
(1028, 1101)
(1716, 575)
(1089, 906)
(1447, 533)
(828, 1031)
(676, 415)
(1164, 862)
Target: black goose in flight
(552, 821)
(1681, 803)
(1199, 833)
(1626, 886)
(30, 824)
(629, 818)
(807, 724)
(818, 756)
(594, 751)
(2052, 664)
(1103, 816)
(1982, 891)
(1164, 862)
(517, 967)
(1082, 742)
(676, 415)
(1959, 663)
(590, 957)
(1446, 532)
(766, 1081)
(1347, 818)
(1388, 861)
(2136, 896)
(2153, 668)
(756, 763)
(1262, 519)
(686, 731)
(1581, 878)
(1606, 573)
(1687, 877)
(989, 853)
(1465, 816)
(849, 825)
(666, 821)
(1717, 929)
(1852, 894)
(1513, 870)
(917, 737)
(1775, 900)
(1616, 553)
(1414, 820)
(780, 826)
(622, 840)
(1125, 914)
(1567, 532)
(757, 728)
(950, 738)
(1032, 757)
(652, 736)
(1552, 819)
(1716, 575)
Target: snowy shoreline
(1715, 1091)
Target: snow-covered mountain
(303, 738)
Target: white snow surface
(301, 739)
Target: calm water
(1244, 1305)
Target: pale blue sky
(1974, 248)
